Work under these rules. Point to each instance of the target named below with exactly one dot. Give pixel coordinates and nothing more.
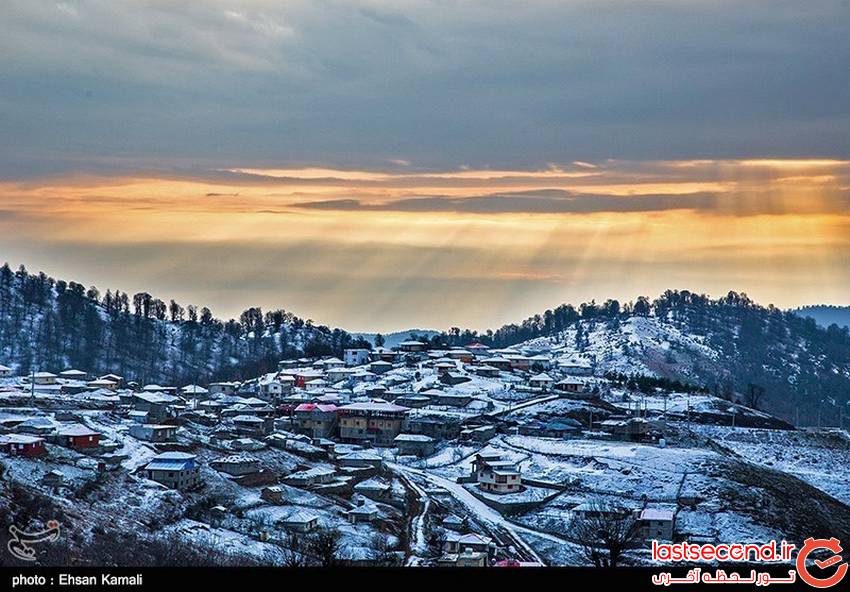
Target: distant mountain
(48, 324)
(393, 339)
(826, 315)
(731, 346)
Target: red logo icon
(810, 545)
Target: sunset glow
(371, 249)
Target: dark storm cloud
(437, 83)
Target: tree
(754, 395)
(324, 547)
(605, 532)
(379, 340)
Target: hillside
(826, 315)
(733, 347)
(48, 324)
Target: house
(237, 465)
(315, 420)
(334, 375)
(412, 400)
(38, 426)
(656, 523)
(151, 432)
(477, 348)
(540, 362)
(223, 388)
(5, 371)
(383, 354)
(380, 367)
(455, 522)
(72, 374)
(102, 384)
(454, 378)
(543, 382)
(633, 428)
(551, 429)
(22, 445)
(569, 385)
(44, 378)
(194, 391)
(310, 477)
(330, 363)
(54, 478)
(576, 367)
(377, 422)
(481, 433)
(365, 512)
(356, 356)
(373, 489)
(414, 444)
(176, 470)
(438, 426)
(157, 404)
(459, 353)
(118, 380)
(360, 460)
(444, 367)
(458, 543)
(519, 362)
(273, 494)
(412, 346)
(301, 521)
(77, 436)
(452, 399)
(499, 362)
(487, 371)
(495, 475)
(251, 425)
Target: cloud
(355, 83)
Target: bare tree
(324, 546)
(604, 532)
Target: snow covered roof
(76, 429)
(371, 485)
(44, 375)
(236, 459)
(4, 368)
(373, 406)
(413, 438)
(72, 372)
(247, 419)
(19, 439)
(316, 407)
(542, 377)
(656, 514)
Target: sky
(383, 165)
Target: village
(412, 455)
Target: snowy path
(419, 546)
(485, 513)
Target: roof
(76, 429)
(170, 461)
(373, 406)
(656, 514)
(300, 517)
(19, 439)
(44, 375)
(248, 419)
(540, 377)
(307, 407)
(412, 438)
(235, 459)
